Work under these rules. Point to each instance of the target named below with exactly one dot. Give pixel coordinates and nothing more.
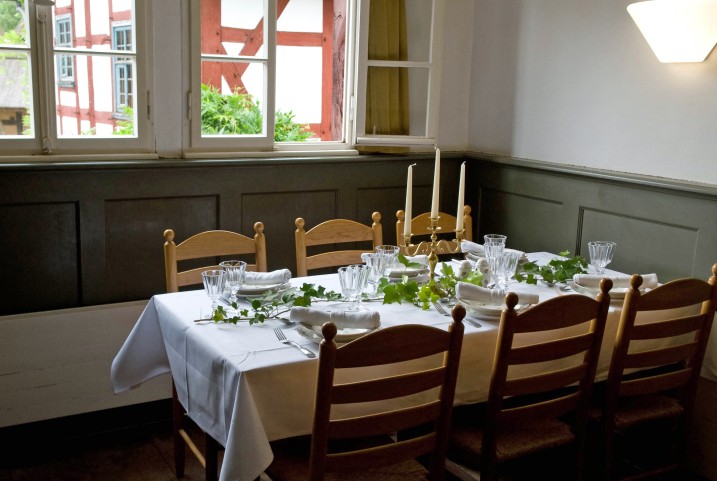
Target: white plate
(487, 311)
(616, 293)
(258, 290)
(313, 333)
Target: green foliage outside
(125, 127)
(12, 27)
(239, 114)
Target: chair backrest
(420, 228)
(210, 244)
(682, 334)
(334, 231)
(430, 379)
(521, 389)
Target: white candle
(409, 204)
(436, 184)
(461, 198)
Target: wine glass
(377, 266)
(601, 253)
(233, 276)
(353, 280)
(392, 255)
(506, 264)
(213, 285)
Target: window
(122, 40)
(76, 94)
(398, 78)
(267, 73)
(63, 38)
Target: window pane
(99, 102)
(393, 28)
(396, 101)
(310, 54)
(13, 27)
(235, 107)
(233, 27)
(92, 26)
(15, 94)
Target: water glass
(233, 276)
(213, 285)
(353, 281)
(601, 253)
(377, 266)
(493, 246)
(392, 253)
(505, 266)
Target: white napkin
(279, 276)
(420, 259)
(619, 281)
(342, 319)
(496, 297)
(475, 251)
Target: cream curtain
(387, 88)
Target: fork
(282, 338)
(441, 310)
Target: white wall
(574, 82)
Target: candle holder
(434, 247)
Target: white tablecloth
(243, 387)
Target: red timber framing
(331, 41)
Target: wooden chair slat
(550, 350)
(389, 387)
(545, 382)
(660, 357)
(384, 422)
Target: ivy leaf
(409, 264)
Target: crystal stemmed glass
(601, 253)
(233, 276)
(506, 264)
(213, 285)
(392, 253)
(377, 266)
(353, 280)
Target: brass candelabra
(434, 247)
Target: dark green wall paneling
(74, 234)
(669, 228)
(88, 234)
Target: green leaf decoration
(559, 269)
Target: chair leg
(177, 421)
(211, 456)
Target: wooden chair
(208, 244)
(531, 410)
(363, 446)
(664, 387)
(335, 231)
(420, 228)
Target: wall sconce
(677, 30)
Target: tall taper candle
(461, 198)
(409, 204)
(436, 184)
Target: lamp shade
(677, 30)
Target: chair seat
(646, 408)
(466, 442)
(291, 463)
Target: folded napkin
(342, 319)
(620, 281)
(496, 297)
(420, 259)
(279, 276)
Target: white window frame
(432, 64)
(198, 146)
(46, 143)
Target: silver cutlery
(282, 338)
(441, 310)
(472, 322)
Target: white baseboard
(57, 363)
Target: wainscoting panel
(638, 243)
(40, 256)
(134, 230)
(278, 211)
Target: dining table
(245, 388)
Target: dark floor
(128, 444)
